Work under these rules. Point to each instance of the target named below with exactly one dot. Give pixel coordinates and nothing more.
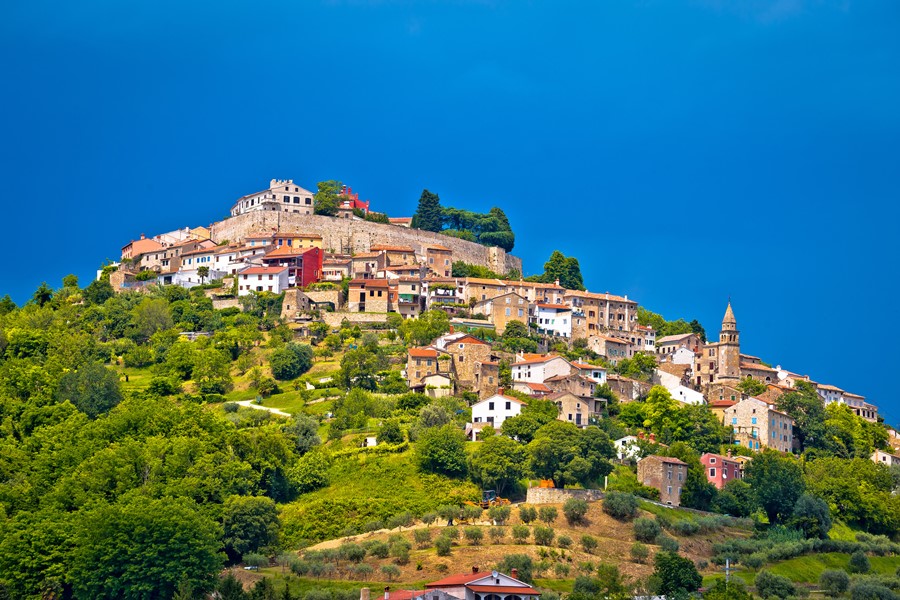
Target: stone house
(371, 296)
(502, 309)
(720, 469)
(410, 301)
(395, 255)
(282, 195)
(627, 389)
(336, 269)
(439, 260)
(574, 409)
(573, 383)
(757, 424)
(665, 474)
(537, 292)
(366, 265)
(538, 368)
(671, 343)
(475, 289)
(487, 377)
(603, 312)
(422, 363)
(468, 353)
(613, 348)
(885, 458)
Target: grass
(672, 514)
(307, 584)
(808, 569)
(138, 379)
(841, 531)
(555, 585)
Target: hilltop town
(313, 400)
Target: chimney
(364, 594)
(514, 573)
(143, 237)
(500, 391)
(387, 592)
(474, 569)
(729, 453)
(451, 329)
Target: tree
(804, 405)
(769, 585)
(752, 387)
(93, 389)
(359, 368)
(676, 574)
(97, 292)
(423, 330)
(212, 371)
(428, 215)
(291, 361)
(442, 450)
(641, 366)
(144, 547)
(727, 590)
(150, 316)
(326, 198)
(859, 562)
(202, 272)
(575, 510)
(230, 588)
(565, 454)
(43, 294)
(390, 432)
(620, 505)
(834, 581)
(251, 524)
(498, 463)
(522, 563)
(736, 499)
(811, 516)
(777, 483)
(305, 430)
(561, 268)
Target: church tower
(729, 362)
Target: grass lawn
(306, 584)
(556, 585)
(138, 379)
(672, 514)
(808, 569)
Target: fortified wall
(354, 236)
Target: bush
(834, 581)
(620, 505)
(399, 551)
(869, 590)
(442, 545)
(646, 529)
(768, 585)
(474, 535)
(575, 509)
(561, 569)
(543, 536)
(527, 513)
(755, 560)
(499, 514)
(521, 563)
(390, 572)
(351, 552)
(497, 534)
(291, 361)
(685, 528)
(589, 543)
(378, 549)
(548, 514)
(667, 543)
(639, 552)
(429, 518)
(422, 537)
(472, 513)
(859, 562)
(520, 533)
(230, 407)
(564, 541)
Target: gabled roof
(554, 306)
(606, 296)
(666, 459)
(536, 387)
(389, 248)
(757, 367)
(306, 236)
(438, 248)
(533, 359)
(585, 366)
(505, 397)
(673, 339)
(373, 283)
(143, 246)
(460, 579)
(423, 352)
(284, 251)
(263, 271)
(522, 590)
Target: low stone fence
(333, 319)
(220, 303)
(538, 495)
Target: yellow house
(298, 240)
(200, 233)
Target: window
(508, 405)
(753, 421)
(712, 460)
(712, 472)
(490, 406)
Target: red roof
(523, 590)
(263, 271)
(538, 387)
(402, 594)
(423, 353)
(461, 579)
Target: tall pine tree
(429, 214)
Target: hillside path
(274, 411)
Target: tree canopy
(562, 268)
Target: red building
(720, 469)
(305, 263)
(352, 201)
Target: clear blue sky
(685, 152)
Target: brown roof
(830, 387)
(536, 358)
(200, 251)
(667, 459)
(365, 255)
(673, 369)
(480, 281)
(423, 352)
(438, 248)
(375, 283)
(460, 579)
(288, 251)
(756, 367)
(521, 590)
(555, 306)
(605, 296)
(389, 248)
(308, 236)
(723, 403)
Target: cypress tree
(429, 215)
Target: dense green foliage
(562, 268)
(490, 229)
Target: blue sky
(685, 152)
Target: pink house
(720, 469)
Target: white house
(686, 395)
(187, 275)
(592, 372)
(885, 458)
(263, 279)
(830, 393)
(552, 319)
(537, 368)
(493, 411)
(683, 356)
(627, 447)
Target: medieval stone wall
(537, 495)
(352, 235)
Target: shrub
(834, 581)
(589, 543)
(859, 562)
(520, 562)
(452, 533)
(768, 584)
(256, 560)
(527, 513)
(422, 537)
(373, 526)
(362, 571)
(646, 529)
(390, 572)
(520, 533)
(471, 512)
(869, 590)
(442, 545)
(564, 541)
(497, 533)
(378, 549)
(548, 514)
(230, 407)
(667, 543)
(685, 528)
(499, 514)
(399, 551)
(351, 552)
(429, 518)
(755, 560)
(639, 552)
(620, 505)
(474, 535)
(575, 509)
(402, 520)
(561, 569)
(543, 536)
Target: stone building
(603, 312)
(720, 469)
(756, 424)
(395, 255)
(575, 409)
(422, 363)
(501, 310)
(670, 343)
(439, 260)
(721, 362)
(467, 353)
(282, 195)
(370, 295)
(665, 474)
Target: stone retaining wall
(333, 319)
(538, 495)
(355, 235)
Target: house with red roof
(479, 585)
(492, 411)
(304, 264)
(720, 469)
(263, 279)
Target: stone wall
(220, 303)
(333, 319)
(354, 235)
(538, 495)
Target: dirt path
(274, 411)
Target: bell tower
(729, 362)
